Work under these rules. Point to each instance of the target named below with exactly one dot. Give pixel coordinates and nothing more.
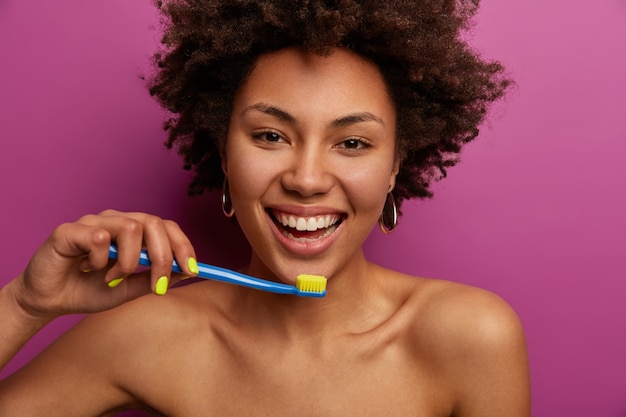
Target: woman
(317, 120)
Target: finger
(128, 237)
(184, 252)
(134, 286)
(127, 233)
(139, 284)
(88, 245)
(160, 251)
(163, 240)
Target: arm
(69, 274)
(74, 376)
(97, 368)
(16, 327)
(489, 363)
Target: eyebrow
(272, 111)
(346, 120)
(356, 118)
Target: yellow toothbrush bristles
(311, 283)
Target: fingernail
(192, 264)
(114, 283)
(161, 286)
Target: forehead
(305, 83)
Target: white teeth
(301, 224)
(310, 224)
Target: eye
(268, 136)
(354, 144)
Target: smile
(307, 228)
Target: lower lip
(304, 247)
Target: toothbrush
(306, 285)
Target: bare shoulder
(150, 317)
(107, 354)
(474, 342)
(476, 317)
(449, 310)
(152, 330)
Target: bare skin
(380, 342)
(427, 348)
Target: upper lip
(302, 211)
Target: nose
(309, 173)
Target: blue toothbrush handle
(226, 275)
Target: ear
(394, 173)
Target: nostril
(307, 180)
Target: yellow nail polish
(161, 286)
(192, 264)
(114, 283)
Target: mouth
(306, 229)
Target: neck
(348, 307)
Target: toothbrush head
(311, 285)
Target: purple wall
(535, 212)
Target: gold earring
(388, 219)
(227, 204)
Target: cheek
(249, 175)
(367, 187)
(237, 175)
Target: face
(310, 158)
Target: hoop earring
(227, 204)
(388, 219)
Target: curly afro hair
(441, 87)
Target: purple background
(535, 212)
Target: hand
(71, 271)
